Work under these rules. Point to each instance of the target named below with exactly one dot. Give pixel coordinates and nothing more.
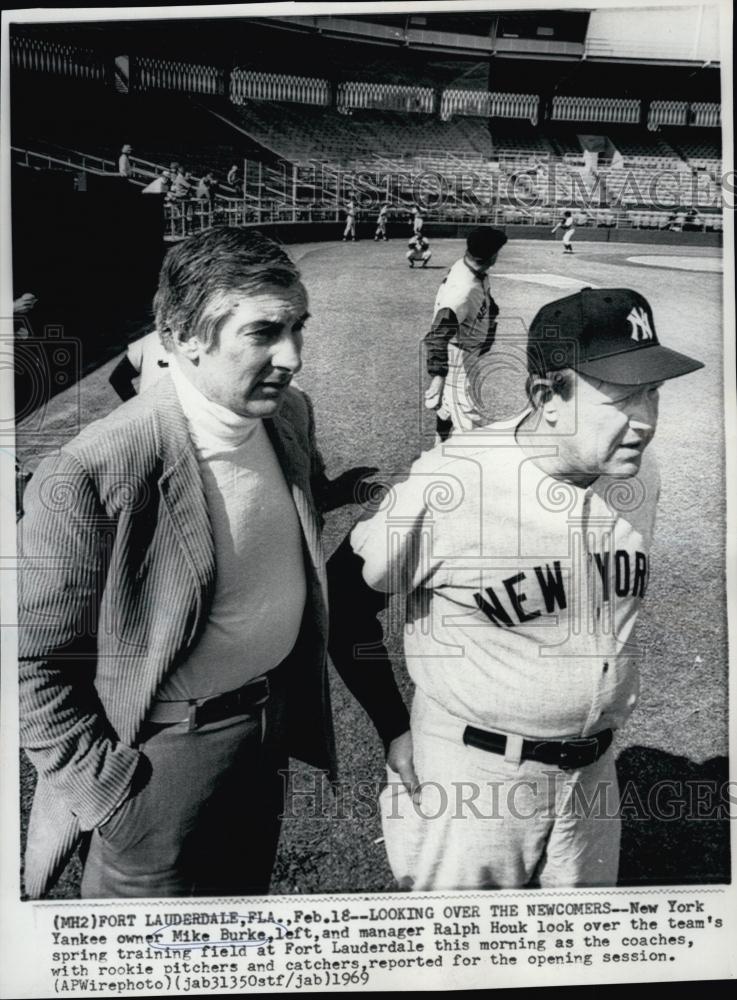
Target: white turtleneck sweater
(260, 586)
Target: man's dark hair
(202, 278)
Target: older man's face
(606, 427)
(256, 353)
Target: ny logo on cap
(639, 324)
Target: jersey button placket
(591, 539)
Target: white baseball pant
(488, 822)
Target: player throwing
(524, 557)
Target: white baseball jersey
(467, 294)
(523, 590)
(149, 357)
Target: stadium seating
(303, 134)
(701, 147)
(518, 142)
(303, 159)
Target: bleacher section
(518, 140)
(639, 147)
(304, 134)
(700, 147)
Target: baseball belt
(243, 700)
(565, 754)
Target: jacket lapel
(182, 491)
(295, 464)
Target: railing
(596, 109)
(248, 85)
(706, 115)
(635, 49)
(164, 74)
(667, 113)
(385, 96)
(489, 104)
(45, 56)
(76, 161)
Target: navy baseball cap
(486, 242)
(607, 333)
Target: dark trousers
(207, 821)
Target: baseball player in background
(381, 220)
(463, 331)
(417, 220)
(524, 557)
(350, 222)
(419, 251)
(569, 229)
(145, 359)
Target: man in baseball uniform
(419, 251)
(349, 233)
(463, 331)
(569, 229)
(524, 554)
(146, 359)
(381, 220)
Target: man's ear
(189, 347)
(541, 393)
(544, 399)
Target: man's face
(482, 263)
(605, 427)
(256, 352)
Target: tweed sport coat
(117, 573)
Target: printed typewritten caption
(285, 945)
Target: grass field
(363, 371)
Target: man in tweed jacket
(172, 598)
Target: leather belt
(566, 754)
(243, 700)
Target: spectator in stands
(419, 251)
(145, 358)
(463, 331)
(381, 221)
(233, 178)
(182, 191)
(567, 224)
(160, 185)
(181, 187)
(206, 188)
(124, 164)
(350, 222)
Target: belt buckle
(569, 747)
(191, 720)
